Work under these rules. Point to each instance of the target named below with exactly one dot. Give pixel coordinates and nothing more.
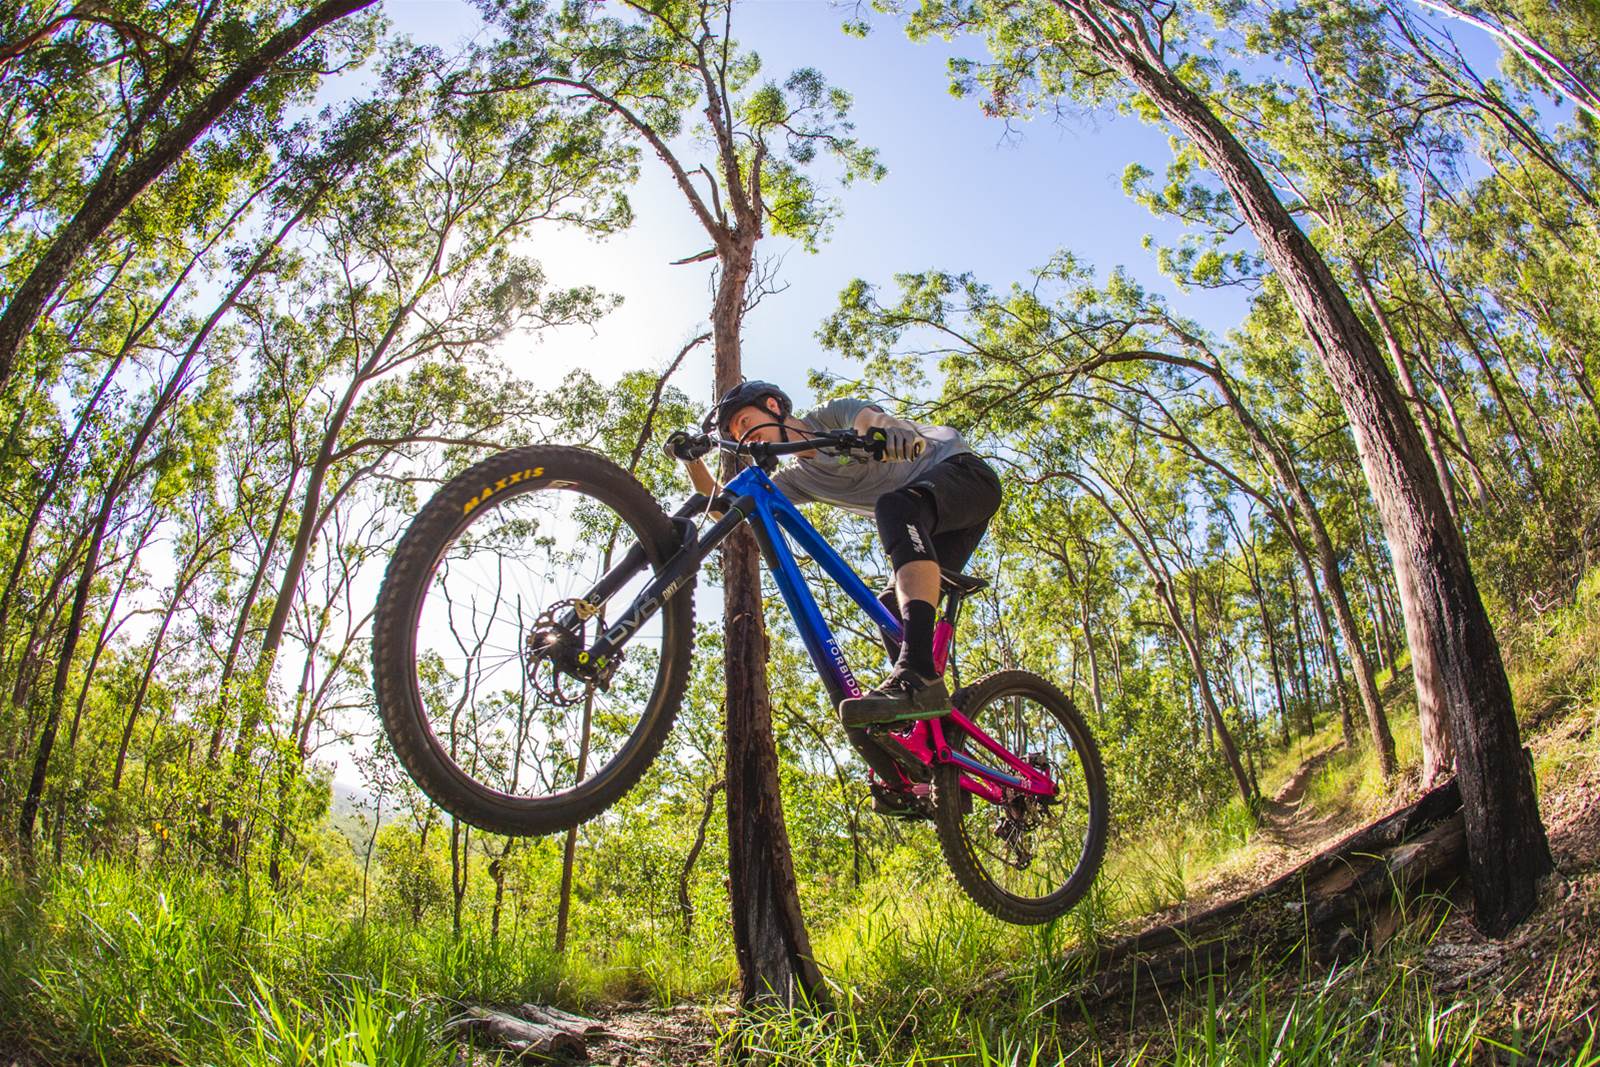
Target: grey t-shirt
(856, 482)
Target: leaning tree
(1148, 54)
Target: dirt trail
(659, 1037)
(1293, 823)
(1293, 828)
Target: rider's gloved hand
(684, 447)
(901, 444)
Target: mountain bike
(533, 639)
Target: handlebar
(693, 446)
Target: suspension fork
(679, 571)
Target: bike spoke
(520, 559)
(1026, 847)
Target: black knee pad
(905, 522)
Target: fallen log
(528, 1040)
(1433, 806)
(1339, 901)
(565, 1021)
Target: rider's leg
(945, 511)
(917, 586)
(905, 521)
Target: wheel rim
(519, 557)
(1031, 852)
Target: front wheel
(1024, 860)
(486, 606)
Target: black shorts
(965, 494)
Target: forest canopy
(272, 272)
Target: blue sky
(962, 193)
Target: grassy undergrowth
(116, 965)
(111, 965)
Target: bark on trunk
(242, 621)
(769, 933)
(1224, 736)
(1094, 666)
(569, 850)
(1408, 385)
(685, 901)
(1506, 843)
(1190, 639)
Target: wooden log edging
(565, 1021)
(1333, 904)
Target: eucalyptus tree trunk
(1252, 570)
(64, 658)
(685, 901)
(1506, 845)
(497, 872)
(569, 851)
(1188, 632)
(1277, 457)
(1325, 635)
(241, 625)
(59, 471)
(1094, 664)
(569, 848)
(1191, 640)
(191, 570)
(1408, 384)
(769, 932)
(1299, 668)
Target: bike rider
(932, 499)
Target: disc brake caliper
(556, 648)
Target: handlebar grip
(686, 446)
(875, 441)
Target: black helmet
(741, 396)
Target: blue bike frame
(752, 497)
(776, 516)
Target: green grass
(1373, 1015)
(105, 963)
(125, 966)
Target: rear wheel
(479, 625)
(1024, 860)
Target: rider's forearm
(868, 418)
(700, 477)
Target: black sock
(916, 617)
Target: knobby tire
(451, 511)
(951, 804)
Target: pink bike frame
(926, 741)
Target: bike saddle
(965, 584)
